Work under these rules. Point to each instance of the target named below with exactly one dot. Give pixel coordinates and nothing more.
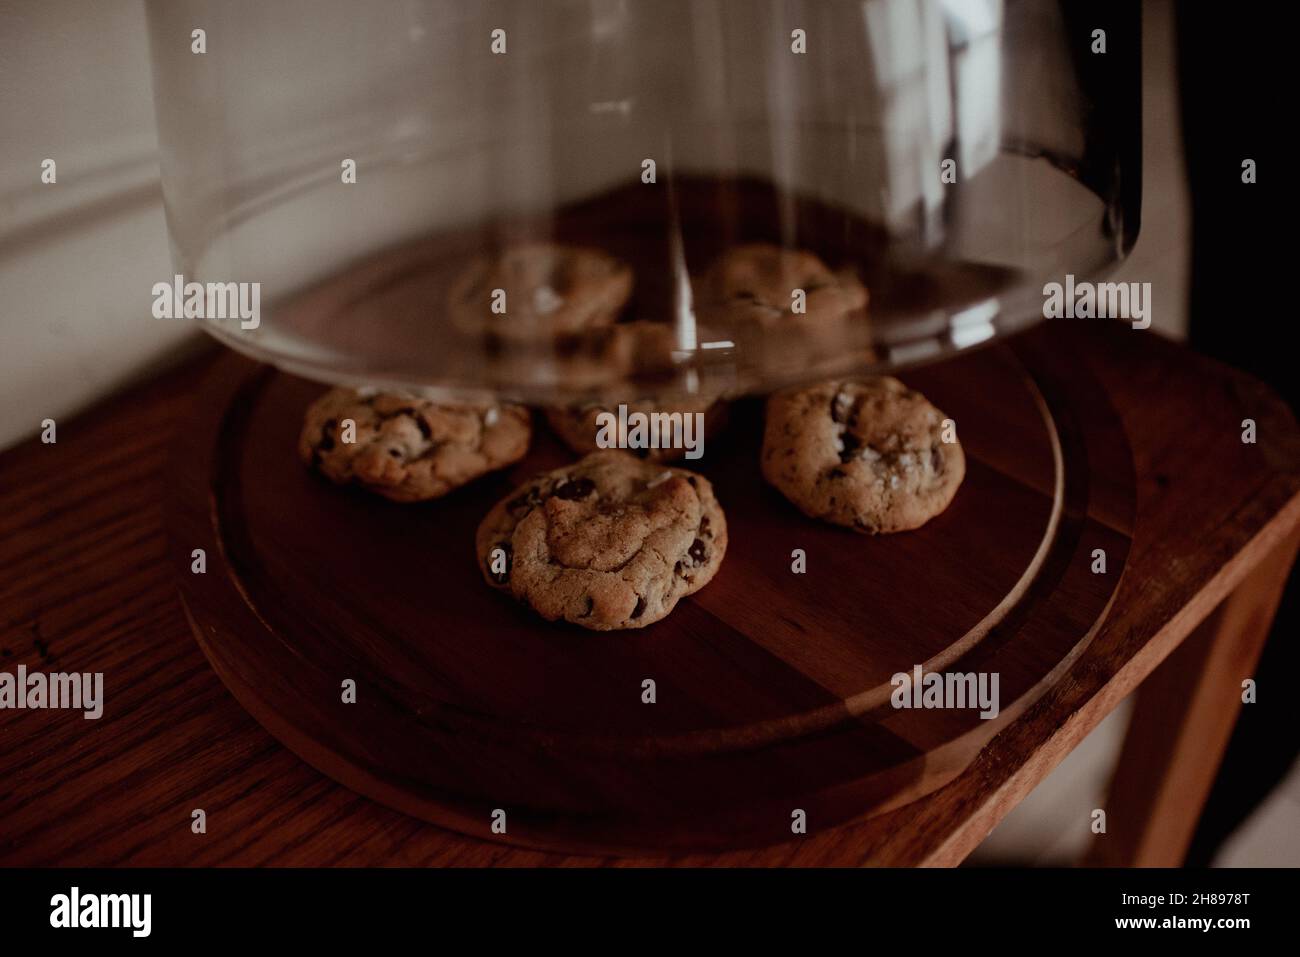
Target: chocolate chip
(838, 473)
(575, 489)
(640, 607)
(527, 500)
(326, 442)
(698, 552)
(851, 446)
(395, 453)
(704, 524)
(424, 427)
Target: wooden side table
(86, 585)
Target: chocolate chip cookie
(869, 454)
(755, 284)
(670, 426)
(608, 542)
(409, 449)
(551, 290)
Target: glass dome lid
(549, 199)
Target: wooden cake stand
(772, 688)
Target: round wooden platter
(772, 688)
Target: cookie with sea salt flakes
(410, 449)
(867, 453)
(606, 543)
(551, 291)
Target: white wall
(77, 257)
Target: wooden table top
(85, 586)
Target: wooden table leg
(1184, 715)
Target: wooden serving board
(772, 688)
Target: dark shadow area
(1242, 312)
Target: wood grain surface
(86, 584)
(1180, 727)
